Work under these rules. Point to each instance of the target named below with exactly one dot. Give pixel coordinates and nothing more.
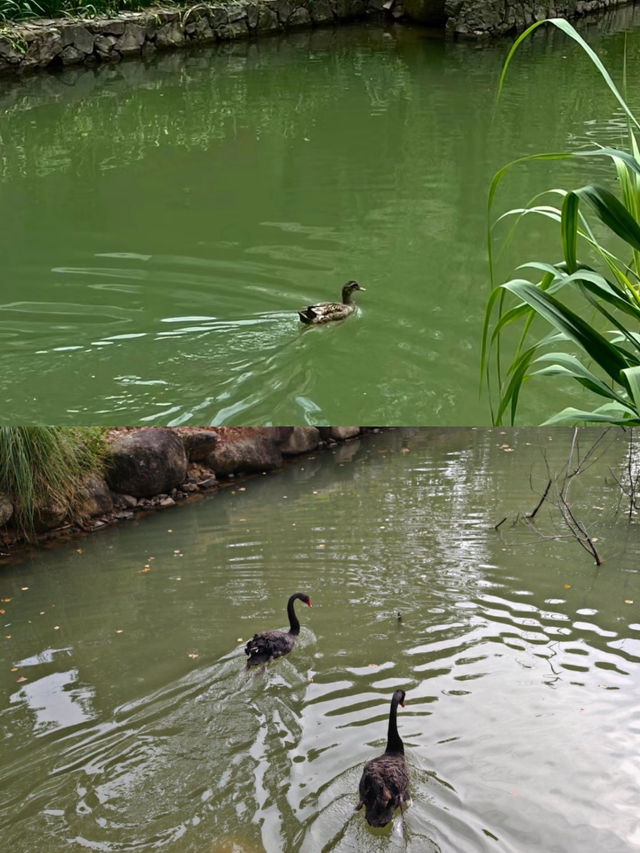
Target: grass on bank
(42, 466)
(601, 353)
(24, 10)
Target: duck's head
(349, 288)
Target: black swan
(384, 785)
(326, 312)
(274, 644)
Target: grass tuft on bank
(46, 466)
(12, 11)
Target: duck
(328, 312)
(384, 785)
(269, 645)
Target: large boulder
(50, 515)
(6, 510)
(339, 433)
(94, 498)
(146, 462)
(199, 443)
(248, 454)
(299, 440)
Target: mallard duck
(326, 312)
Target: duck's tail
(308, 315)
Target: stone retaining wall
(62, 42)
(490, 18)
(157, 467)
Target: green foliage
(602, 353)
(46, 465)
(21, 10)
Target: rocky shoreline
(153, 468)
(63, 42)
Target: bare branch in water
(576, 464)
(541, 501)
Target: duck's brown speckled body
(328, 312)
(384, 785)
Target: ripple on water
(521, 710)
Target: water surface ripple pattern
(153, 273)
(129, 722)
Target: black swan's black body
(274, 644)
(384, 785)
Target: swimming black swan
(326, 312)
(384, 785)
(274, 644)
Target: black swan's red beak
(402, 703)
(309, 603)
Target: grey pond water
(162, 224)
(129, 722)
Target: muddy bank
(153, 468)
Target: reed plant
(44, 466)
(589, 300)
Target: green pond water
(162, 224)
(129, 722)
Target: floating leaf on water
(56, 627)
(78, 550)
(373, 665)
(567, 586)
(2, 612)
(7, 636)
(628, 601)
(24, 588)
(118, 630)
(14, 669)
(169, 530)
(238, 639)
(20, 679)
(193, 655)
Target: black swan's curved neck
(294, 625)
(394, 742)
